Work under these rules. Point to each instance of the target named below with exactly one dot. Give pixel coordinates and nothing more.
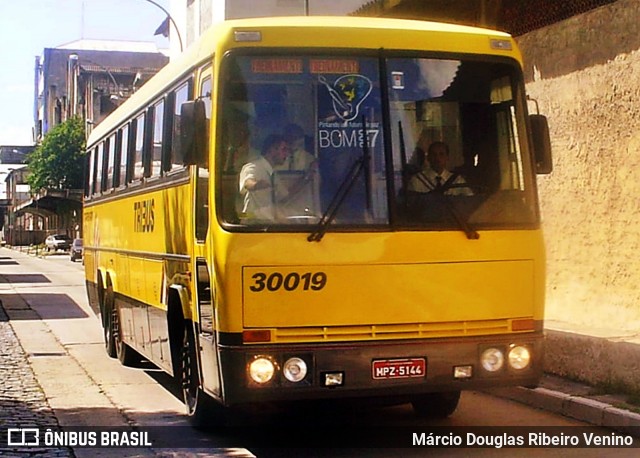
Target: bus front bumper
(380, 369)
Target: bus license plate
(398, 368)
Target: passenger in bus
(298, 175)
(239, 150)
(256, 180)
(435, 177)
(299, 159)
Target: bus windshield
(415, 143)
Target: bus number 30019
(290, 282)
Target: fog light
(333, 378)
(295, 369)
(492, 359)
(519, 357)
(462, 371)
(261, 369)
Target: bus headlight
(261, 370)
(519, 357)
(295, 369)
(492, 359)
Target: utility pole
(170, 20)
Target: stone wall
(585, 74)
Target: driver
(256, 180)
(298, 175)
(435, 177)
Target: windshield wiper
(470, 232)
(362, 163)
(463, 224)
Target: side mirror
(541, 143)
(194, 132)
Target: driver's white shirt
(258, 204)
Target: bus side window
(97, 170)
(176, 158)
(157, 142)
(110, 163)
(118, 157)
(88, 184)
(138, 141)
(123, 177)
(202, 194)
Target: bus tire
(109, 314)
(202, 410)
(436, 405)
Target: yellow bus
(262, 221)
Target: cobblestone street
(22, 401)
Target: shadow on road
(54, 306)
(46, 306)
(23, 278)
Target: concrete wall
(585, 73)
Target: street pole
(170, 20)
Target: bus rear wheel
(202, 410)
(436, 405)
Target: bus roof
(328, 32)
(357, 22)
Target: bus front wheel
(436, 405)
(203, 411)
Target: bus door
(202, 268)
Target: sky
(29, 26)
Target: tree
(58, 163)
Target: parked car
(58, 242)
(76, 249)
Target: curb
(579, 408)
(594, 356)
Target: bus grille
(392, 331)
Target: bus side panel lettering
(143, 212)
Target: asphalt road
(62, 342)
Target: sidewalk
(34, 250)
(22, 401)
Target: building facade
(89, 78)
(13, 187)
(15, 224)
